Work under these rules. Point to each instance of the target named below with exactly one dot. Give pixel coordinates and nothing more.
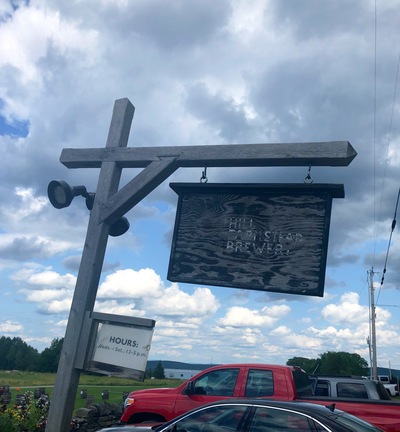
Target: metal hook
(203, 178)
(308, 178)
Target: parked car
(348, 387)
(391, 388)
(259, 415)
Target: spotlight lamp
(119, 227)
(61, 194)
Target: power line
(389, 305)
(374, 137)
(390, 241)
(390, 132)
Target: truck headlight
(129, 401)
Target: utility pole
(374, 373)
(370, 355)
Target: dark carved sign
(268, 237)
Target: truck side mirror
(189, 389)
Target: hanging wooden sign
(268, 237)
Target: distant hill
(168, 364)
(387, 371)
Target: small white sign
(123, 346)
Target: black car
(258, 415)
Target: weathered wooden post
(63, 400)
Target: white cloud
(348, 310)
(174, 301)
(46, 295)
(244, 317)
(62, 323)
(394, 152)
(6, 8)
(146, 287)
(53, 279)
(301, 341)
(132, 284)
(30, 203)
(10, 327)
(281, 331)
(21, 246)
(113, 307)
(250, 336)
(47, 279)
(55, 306)
(39, 31)
(27, 209)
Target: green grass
(21, 382)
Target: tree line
(332, 363)
(15, 354)
(157, 372)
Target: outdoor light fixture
(119, 227)
(61, 194)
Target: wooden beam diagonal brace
(138, 188)
(333, 153)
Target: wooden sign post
(110, 204)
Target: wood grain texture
(264, 239)
(332, 153)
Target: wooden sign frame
(267, 237)
(117, 345)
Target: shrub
(25, 415)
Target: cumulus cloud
(32, 278)
(281, 331)
(175, 302)
(52, 278)
(25, 209)
(26, 247)
(38, 31)
(133, 284)
(9, 327)
(55, 306)
(145, 289)
(118, 308)
(348, 310)
(46, 295)
(243, 317)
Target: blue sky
(199, 73)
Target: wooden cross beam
(161, 162)
(333, 153)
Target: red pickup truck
(285, 383)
